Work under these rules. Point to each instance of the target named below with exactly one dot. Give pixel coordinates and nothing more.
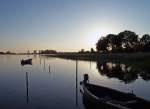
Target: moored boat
(26, 62)
(107, 98)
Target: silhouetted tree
(35, 52)
(8, 52)
(47, 51)
(102, 44)
(145, 42)
(92, 50)
(114, 42)
(1, 52)
(28, 52)
(145, 39)
(127, 41)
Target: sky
(67, 25)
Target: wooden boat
(26, 62)
(110, 98)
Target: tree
(8, 52)
(92, 50)
(34, 52)
(102, 44)
(114, 42)
(145, 42)
(47, 51)
(28, 52)
(82, 51)
(145, 39)
(129, 40)
(126, 41)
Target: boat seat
(123, 102)
(106, 98)
(131, 101)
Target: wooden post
(76, 82)
(27, 87)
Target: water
(55, 83)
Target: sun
(93, 38)
(95, 34)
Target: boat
(100, 96)
(26, 62)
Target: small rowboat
(108, 98)
(26, 62)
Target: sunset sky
(67, 25)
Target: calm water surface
(54, 83)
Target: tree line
(126, 41)
(47, 51)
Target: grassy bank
(105, 56)
(140, 59)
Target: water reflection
(123, 72)
(49, 69)
(52, 81)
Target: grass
(138, 60)
(107, 56)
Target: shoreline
(138, 56)
(137, 60)
(103, 56)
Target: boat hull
(105, 98)
(26, 62)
